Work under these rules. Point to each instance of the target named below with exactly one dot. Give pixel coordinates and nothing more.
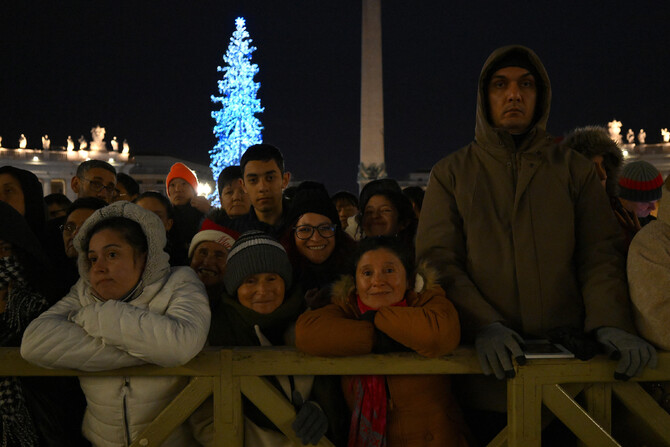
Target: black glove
(632, 352)
(384, 344)
(494, 343)
(368, 316)
(310, 421)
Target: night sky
(146, 70)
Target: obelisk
(371, 164)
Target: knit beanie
(219, 237)
(256, 252)
(312, 197)
(640, 182)
(180, 170)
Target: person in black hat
(386, 211)
(316, 245)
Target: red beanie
(180, 170)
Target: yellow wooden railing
(228, 373)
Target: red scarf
(368, 420)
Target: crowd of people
(516, 237)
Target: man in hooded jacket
(522, 233)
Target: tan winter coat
(649, 278)
(523, 235)
(421, 408)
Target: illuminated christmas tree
(236, 127)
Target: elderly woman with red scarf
(379, 311)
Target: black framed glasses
(306, 231)
(97, 186)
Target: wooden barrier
(228, 373)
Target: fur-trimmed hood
(591, 141)
(157, 264)
(425, 277)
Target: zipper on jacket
(126, 426)
(513, 166)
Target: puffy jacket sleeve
(53, 341)
(441, 241)
(330, 331)
(169, 339)
(432, 330)
(115, 334)
(649, 280)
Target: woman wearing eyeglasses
(318, 248)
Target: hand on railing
(632, 352)
(494, 343)
(310, 423)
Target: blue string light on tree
(236, 127)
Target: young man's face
(264, 183)
(97, 182)
(180, 192)
(512, 95)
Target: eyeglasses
(306, 231)
(97, 186)
(68, 228)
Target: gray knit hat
(256, 252)
(640, 182)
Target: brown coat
(523, 235)
(421, 408)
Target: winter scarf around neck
(368, 420)
(23, 305)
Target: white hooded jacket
(166, 323)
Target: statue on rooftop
(614, 128)
(630, 136)
(666, 135)
(126, 147)
(23, 142)
(115, 144)
(98, 135)
(70, 144)
(82, 143)
(46, 142)
(642, 136)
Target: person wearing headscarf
(23, 191)
(34, 411)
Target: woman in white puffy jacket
(127, 309)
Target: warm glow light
(625, 153)
(35, 158)
(204, 189)
(111, 161)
